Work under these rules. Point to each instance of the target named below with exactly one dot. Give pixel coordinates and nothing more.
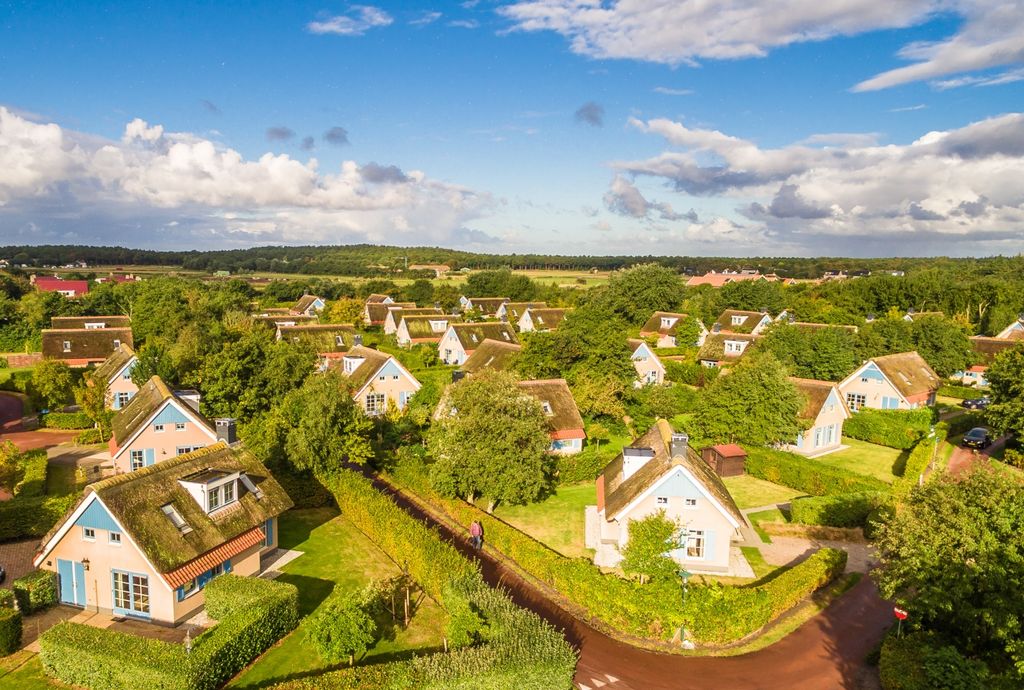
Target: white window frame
(114, 538)
(67, 346)
(158, 428)
(856, 401)
(88, 534)
(179, 426)
(738, 320)
(376, 403)
(690, 503)
(136, 459)
(213, 496)
(123, 398)
(696, 541)
(661, 500)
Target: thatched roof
(724, 322)
(986, 349)
(378, 311)
(815, 394)
(713, 348)
(470, 335)
(80, 321)
(419, 325)
(376, 298)
(275, 320)
(514, 310)
(490, 354)
(547, 317)
(136, 500)
(304, 303)
(807, 326)
(654, 327)
(920, 314)
(106, 371)
(487, 305)
(909, 373)
(87, 344)
(151, 396)
(322, 336)
(564, 416)
(398, 314)
(620, 492)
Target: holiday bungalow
(68, 288)
(721, 348)
(323, 337)
(661, 472)
(115, 375)
(649, 369)
(376, 313)
(90, 323)
(158, 424)
(486, 306)
(309, 305)
(394, 316)
(144, 545)
(461, 339)
(541, 319)
(1015, 331)
(984, 351)
(513, 311)
(490, 354)
(416, 329)
(565, 425)
(662, 325)
(825, 412)
(742, 322)
(275, 321)
(80, 347)
(377, 380)
(902, 381)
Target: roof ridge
(162, 466)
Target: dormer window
(175, 517)
(438, 326)
(350, 364)
(738, 320)
(474, 338)
(67, 346)
(212, 489)
(117, 344)
(547, 408)
(505, 334)
(667, 321)
(338, 340)
(93, 325)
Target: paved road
(10, 410)
(38, 438)
(962, 458)
(827, 652)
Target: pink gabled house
(158, 424)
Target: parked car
(3, 574)
(978, 437)
(976, 403)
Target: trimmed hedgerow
(963, 423)
(67, 420)
(843, 510)
(900, 429)
(918, 460)
(807, 475)
(89, 436)
(32, 517)
(255, 614)
(921, 661)
(961, 392)
(33, 478)
(36, 591)
(653, 610)
(10, 630)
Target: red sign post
(901, 615)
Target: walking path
(826, 652)
(791, 550)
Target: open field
(870, 459)
(558, 521)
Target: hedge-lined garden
(67, 420)
(809, 476)
(900, 429)
(497, 645)
(253, 614)
(31, 513)
(10, 623)
(713, 614)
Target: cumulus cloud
(337, 136)
(675, 32)
(359, 20)
(56, 181)
(625, 199)
(590, 113)
(279, 133)
(949, 184)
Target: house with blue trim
(115, 375)
(144, 545)
(903, 381)
(661, 472)
(824, 412)
(377, 380)
(158, 424)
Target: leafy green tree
(646, 552)
(827, 354)
(491, 440)
(885, 336)
(447, 297)
(754, 295)
(599, 396)
(596, 433)
(343, 311)
(953, 557)
(755, 403)
(91, 396)
(10, 465)
(52, 381)
(325, 427)
(342, 627)
(943, 343)
(501, 283)
(1006, 382)
(635, 293)
(153, 359)
(420, 291)
(688, 332)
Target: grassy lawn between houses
(868, 459)
(334, 553)
(558, 521)
(751, 492)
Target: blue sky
(543, 125)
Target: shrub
(690, 373)
(581, 467)
(3, 363)
(964, 423)
(342, 627)
(33, 478)
(10, 630)
(950, 390)
(843, 510)
(921, 661)
(32, 517)
(36, 591)
(89, 437)
(7, 599)
(1014, 458)
(893, 428)
(807, 475)
(254, 614)
(67, 420)
(918, 461)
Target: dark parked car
(977, 437)
(976, 403)
(3, 574)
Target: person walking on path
(476, 535)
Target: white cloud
(678, 32)
(908, 108)
(426, 18)
(464, 24)
(954, 185)
(1006, 77)
(360, 19)
(150, 173)
(668, 91)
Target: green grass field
(872, 460)
(751, 492)
(335, 553)
(558, 521)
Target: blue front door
(72, 582)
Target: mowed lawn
(558, 521)
(751, 492)
(872, 460)
(334, 553)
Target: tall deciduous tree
(342, 627)
(755, 403)
(635, 293)
(491, 440)
(1006, 380)
(952, 555)
(91, 396)
(827, 354)
(153, 359)
(343, 311)
(943, 343)
(646, 552)
(52, 381)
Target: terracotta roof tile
(210, 559)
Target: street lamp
(685, 575)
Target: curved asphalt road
(827, 652)
(10, 410)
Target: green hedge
(32, 517)
(843, 510)
(962, 392)
(965, 422)
(893, 428)
(920, 661)
(256, 613)
(7, 599)
(653, 610)
(89, 437)
(33, 478)
(67, 420)
(918, 460)
(10, 630)
(36, 591)
(807, 475)
(581, 467)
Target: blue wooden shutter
(709, 544)
(268, 531)
(150, 456)
(227, 566)
(180, 593)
